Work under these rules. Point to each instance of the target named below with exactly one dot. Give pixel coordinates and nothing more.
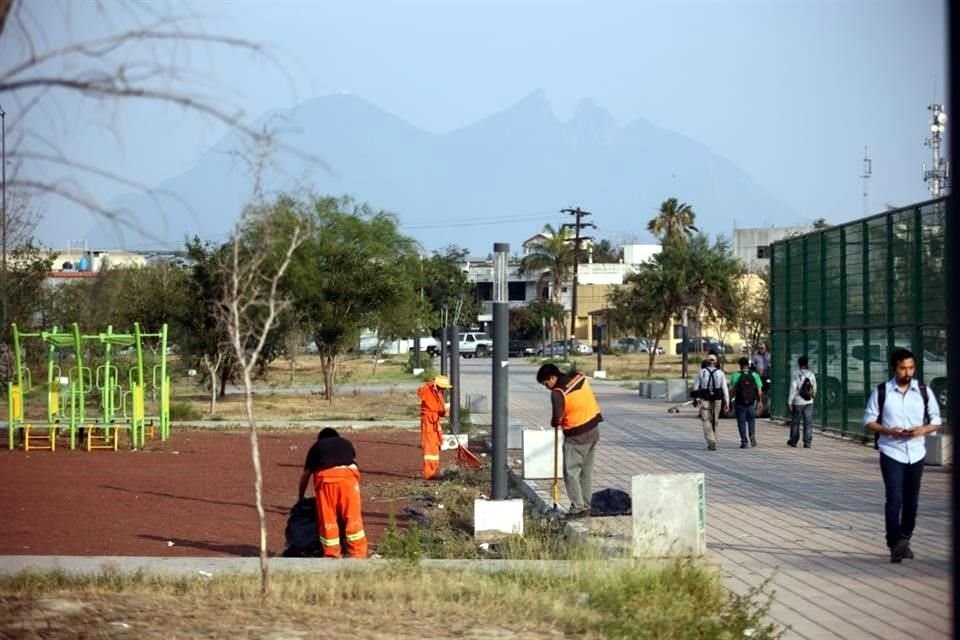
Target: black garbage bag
(610, 502)
(301, 532)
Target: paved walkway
(808, 520)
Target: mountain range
(497, 180)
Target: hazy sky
(789, 91)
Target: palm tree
(673, 222)
(554, 257)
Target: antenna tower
(937, 176)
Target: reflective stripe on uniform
(353, 537)
(431, 456)
(330, 542)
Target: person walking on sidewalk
(331, 462)
(432, 408)
(902, 411)
(803, 389)
(575, 410)
(711, 393)
(747, 401)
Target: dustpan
(466, 458)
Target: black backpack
(806, 388)
(746, 391)
(711, 393)
(881, 398)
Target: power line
(482, 221)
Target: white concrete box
(494, 519)
(939, 449)
(538, 448)
(669, 515)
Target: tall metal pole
(501, 373)
(865, 176)
(455, 378)
(3, 220)
(443, 341)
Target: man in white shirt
(906, 418)
(710, 389)
(803, 388)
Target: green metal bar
(73, 414)
(822, 322)
(17, 355)
(139, 430)
(865, 266)
(916, 288)
(844, 417)
(51, 352)
(889, 298)
(164, 392)
(81, 395)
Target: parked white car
(875, 359)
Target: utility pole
(578, 214)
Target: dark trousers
(746, 420)
(902, 484)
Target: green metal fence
(846, 296)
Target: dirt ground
(190, 496)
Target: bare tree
(137, 52)
(213, 365)
(251, 306)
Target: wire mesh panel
(847, 296)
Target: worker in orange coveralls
(432, 408)
(336, 484)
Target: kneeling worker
(336, 484)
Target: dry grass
(351, 405)
(395, 600)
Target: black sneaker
(806, 445)
(576, 515)
(900, 551)
(907, 551)
(791, 444)
(744, 445)
(753, 441)
(711, 446)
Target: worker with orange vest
(432, 408)
(575, 410)
(336, 484)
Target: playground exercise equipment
(67, 395)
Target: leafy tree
(683, 275)
(352, 270)
(755, 319)
(605, 252)
(674, 221)
(446, 285)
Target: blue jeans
(902, 484)
(802, 412)
(746, 416)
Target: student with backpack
(710, 390)
(803, 389)
(747, 401)
(901, 411)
